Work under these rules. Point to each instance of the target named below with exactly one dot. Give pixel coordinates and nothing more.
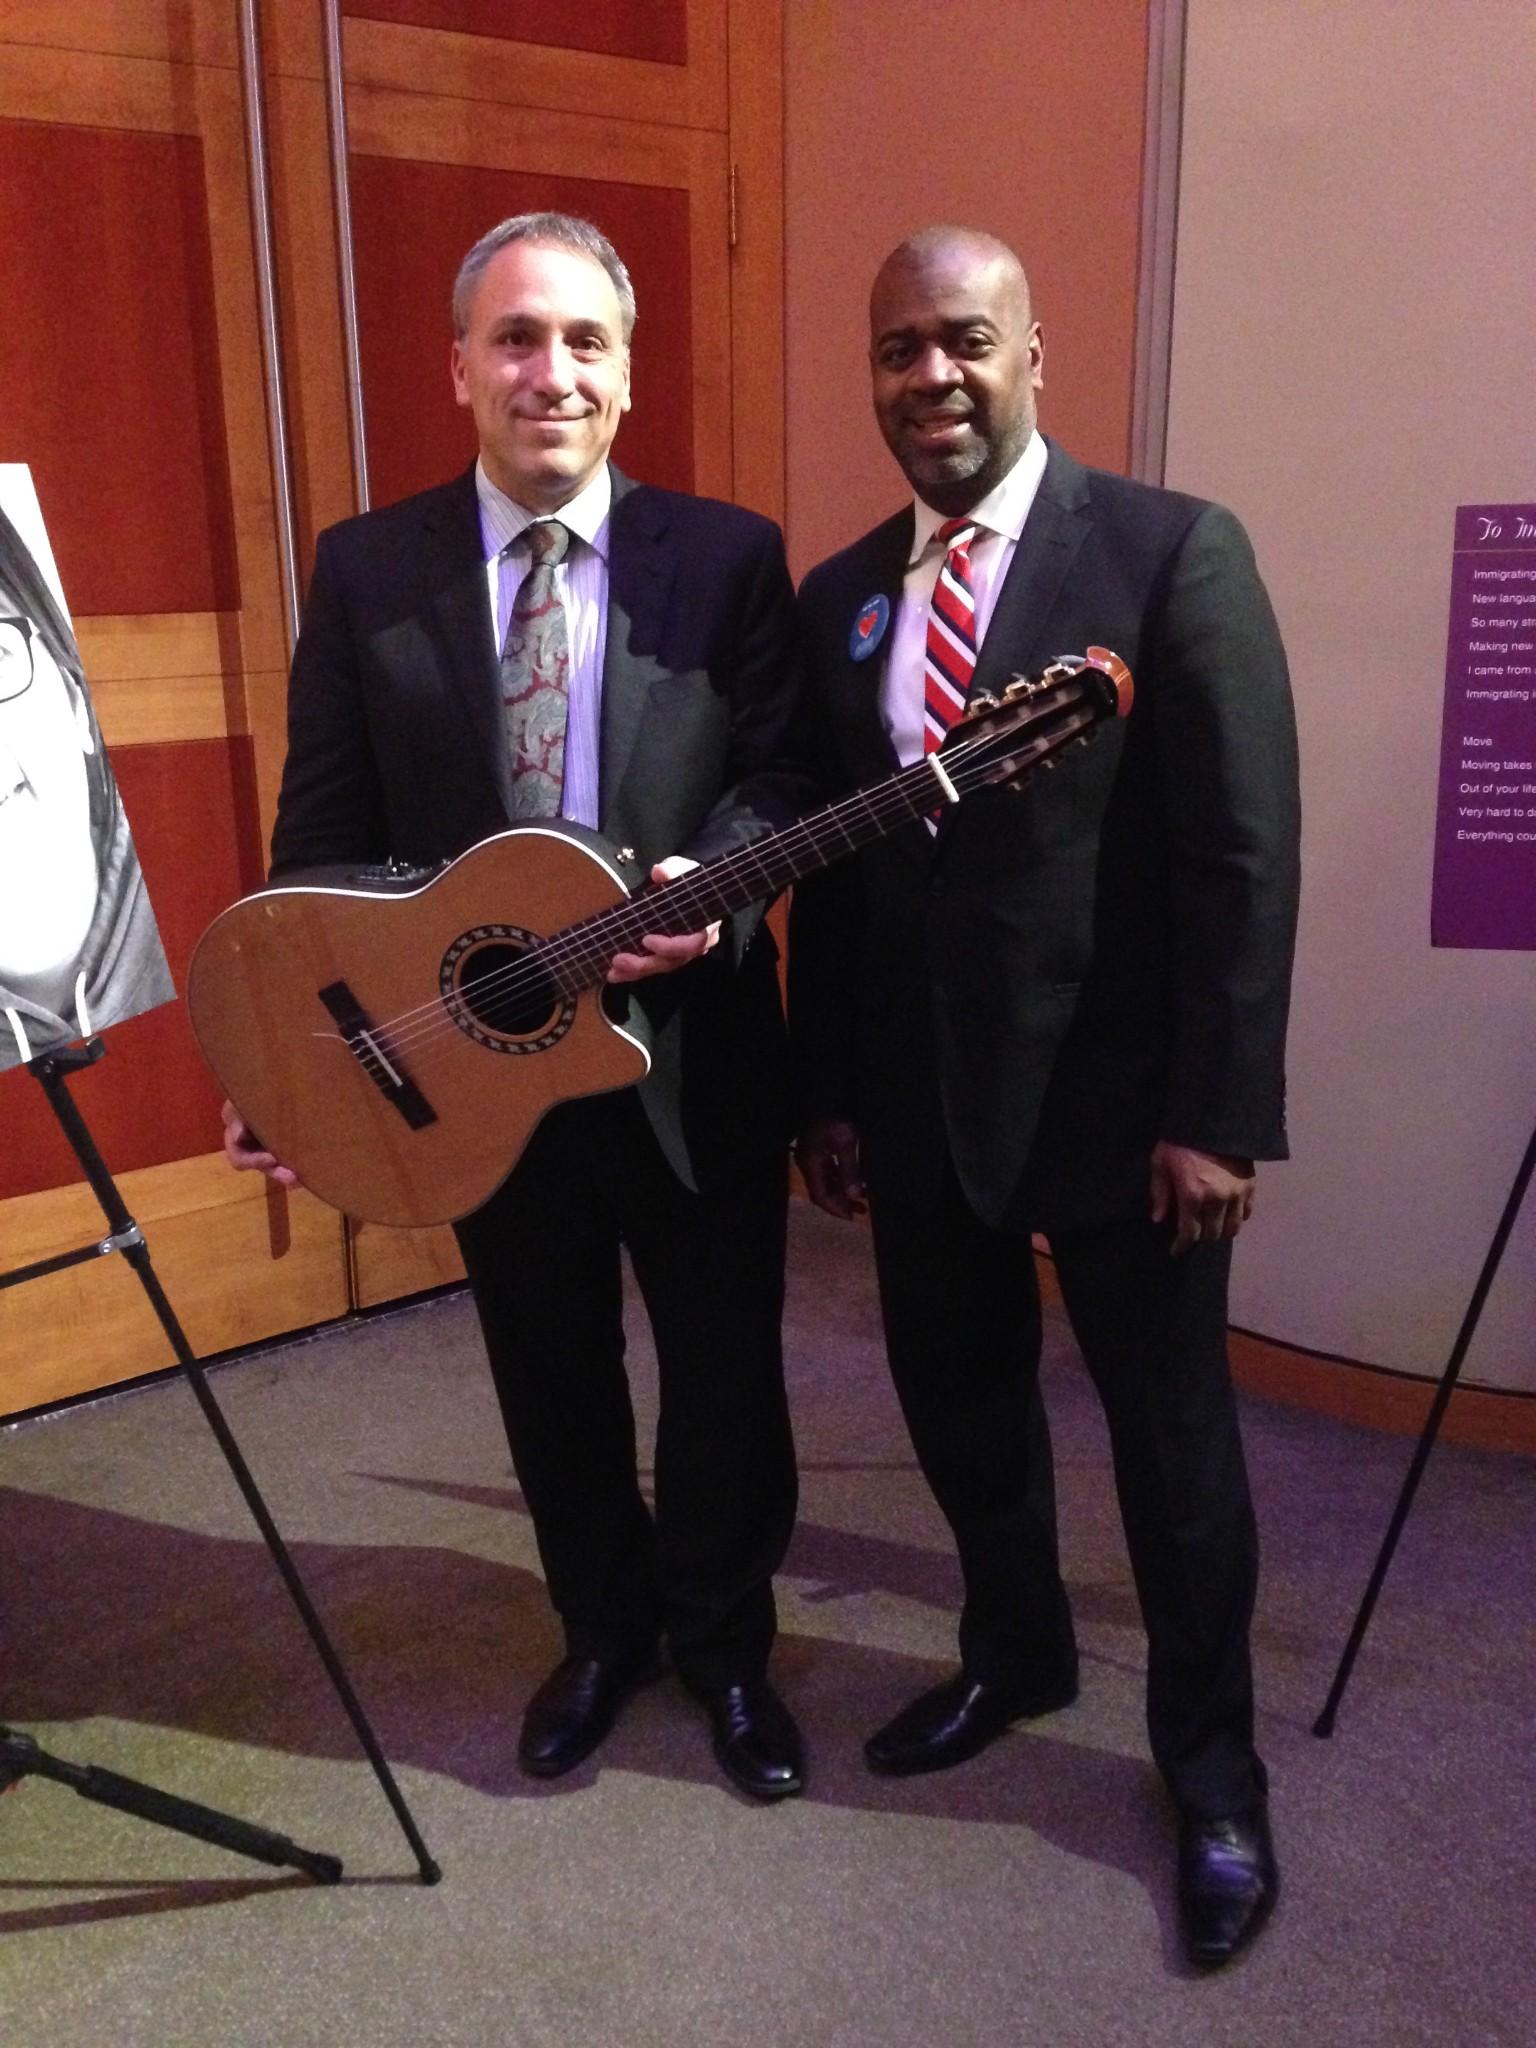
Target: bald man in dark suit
(1062, 1010)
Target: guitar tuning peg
(1019, 687)
(983, 701)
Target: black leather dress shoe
(1228, 1880)
(757, 1744)
(573, 1710)
(957, 1720)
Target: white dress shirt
(582, 582)
(999, 518)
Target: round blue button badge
(869, 624)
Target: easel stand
(20, 1757)
(1323, 1725)
(18, 1753)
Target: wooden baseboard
(1399, 1402)
(1490, 1419)
(1368, 1395)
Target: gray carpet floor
(639, 1903)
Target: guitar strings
(587, 946)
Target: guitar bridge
(370, 1049)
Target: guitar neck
(577, 958)
(998, 742)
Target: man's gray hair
(563, 231)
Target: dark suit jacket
(397, 749)
(1070, 972)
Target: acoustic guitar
(395, 1040)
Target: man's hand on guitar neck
(245, 1152)
(663, 955)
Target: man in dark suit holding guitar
(545, 638)
(1058, 1010)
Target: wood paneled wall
(135, 390)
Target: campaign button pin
(870, 622)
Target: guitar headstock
(1033, 689)
(999, 739)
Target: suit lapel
(1056, 528)
(878, 569)
(1053, 533)
(458, 619)
(641, 564)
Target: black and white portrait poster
(79, 948)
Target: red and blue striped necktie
(950, 658)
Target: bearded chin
(945, 466)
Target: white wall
(1354, 354)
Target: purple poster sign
(1485, 836)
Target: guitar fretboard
(578, 957)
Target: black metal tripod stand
(19, 1754)
(1323, 1725)
(20, 1757)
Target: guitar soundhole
(500, 996)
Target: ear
(624, 402)
(458, 370)
(1037, 356)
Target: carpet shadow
(147, 1896)
(837, 1563)
(1096, 1805)
(111, 1616)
